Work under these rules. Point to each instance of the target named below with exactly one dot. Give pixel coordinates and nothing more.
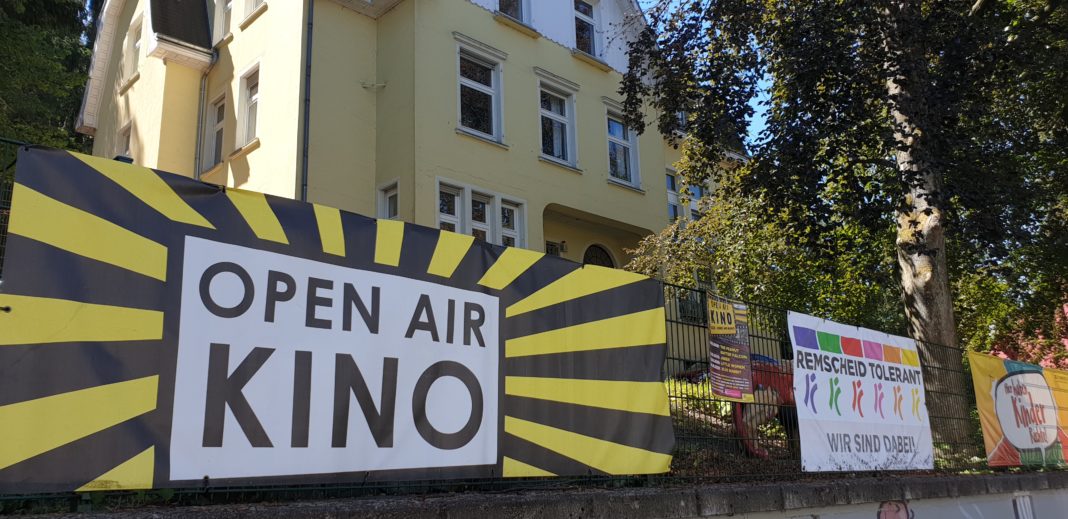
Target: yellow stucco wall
(135, 104)
(517, 171)
(177, 138)
(384, 110)
(395, 144)
(343, 109)
(273, 42)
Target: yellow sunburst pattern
(89, 350)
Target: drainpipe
(306, 131)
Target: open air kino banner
(860, 398)
(164, 332)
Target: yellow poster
(1023, 409)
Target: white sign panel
(288, 366)
(860, 398)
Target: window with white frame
(557, 123)
(388, 203)
(479, 95)
(486, 216)
(216, 118)
(132, 54)
(673, 198)
(585, 27)
(675, 207)
(223, 11)
(481, 217)
(250, 87)
(125, 144)
(450, 208)
(252, 5)
(622, 163)
(510, 223)
(513, 8)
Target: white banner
(288, 366)
(860, 398)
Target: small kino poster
(728, 350)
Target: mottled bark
(921, 223)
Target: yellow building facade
(493, 118)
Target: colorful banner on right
(1021, 407)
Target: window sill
(559, 163)
(214, 170)
(225, 40)
(245, 150)
(592, 60)
(516, 24)
(253, 16)
(630, 187)
(487, 140)
(129, 82)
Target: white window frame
(515, 234)
(568, 120)
(124, 146)
(459, 207)
(494, 92)
(565, 89)
(488, 226)
(489, 56)
(632, 146)
(252, 5)
(224, 11)
(212, 145)
(493, 226)
(593, 21)
(524, 12)
(247, 102)
(132, 53)
(673, 195)
(384, 193)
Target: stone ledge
(669, 502)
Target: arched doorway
(597, 255)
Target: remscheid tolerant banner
(164, 332)
(860, 398)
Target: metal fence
(712, 433)
(710, 446)
(8, 154)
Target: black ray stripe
(479, 258)
(40, 270)
(644, 431)
(359, 238)
(545, 271)
(537, 456)
(90, 191)
(638, 364)
(623, 300)
(72, 366)
(79, 462)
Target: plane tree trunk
(921, 247)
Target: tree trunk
(921, 248)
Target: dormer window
(585, 27)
